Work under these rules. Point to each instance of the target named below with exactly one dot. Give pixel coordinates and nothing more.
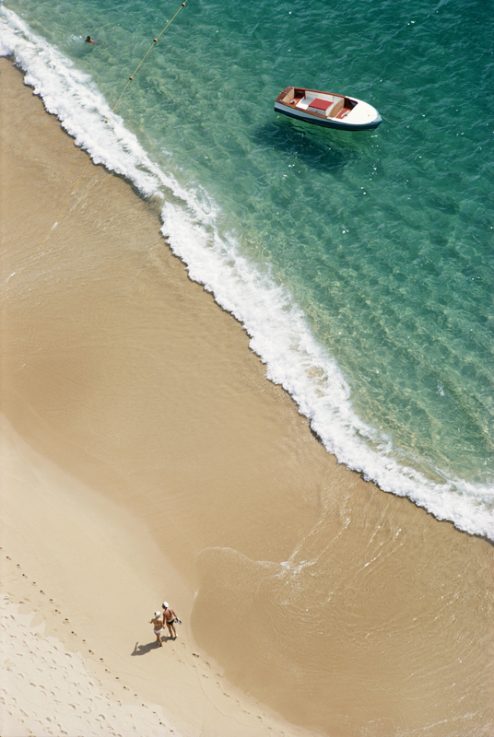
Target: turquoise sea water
(361, 264)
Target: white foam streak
(279, 331)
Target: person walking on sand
(169, 618)
(158, 627)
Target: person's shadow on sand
(144, 649)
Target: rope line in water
(154, 43)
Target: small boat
(327, 108)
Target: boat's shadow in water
(320, 148)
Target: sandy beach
(146, 456)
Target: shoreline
(140, 406)
(278, 333)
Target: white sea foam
(278, 329)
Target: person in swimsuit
(169, 618)
(158, 627)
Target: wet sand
(146, 456)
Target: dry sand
(48, 690)
(145, 455)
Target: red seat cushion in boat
(320, 104)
